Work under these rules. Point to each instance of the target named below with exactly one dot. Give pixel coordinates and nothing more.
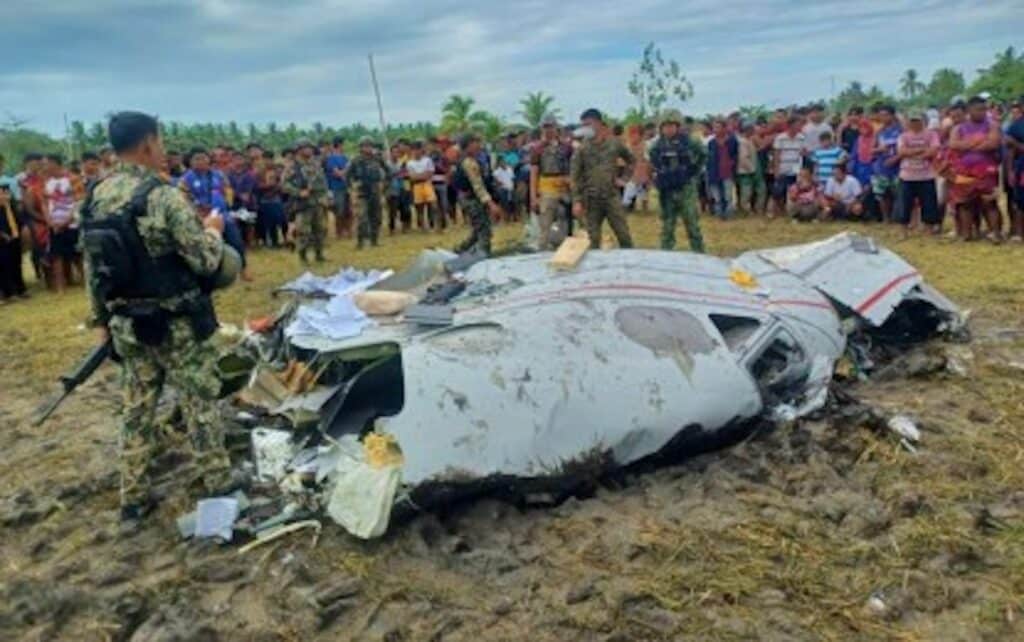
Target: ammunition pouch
(151, 322)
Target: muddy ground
(827, 529)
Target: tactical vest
(554, 160)
(673, 163)
(131, 283)
(461, 180)
(368, 173)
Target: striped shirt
(825, 160)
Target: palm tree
(910, 86)
(535, 106)
(458, 115)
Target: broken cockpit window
(735, 330)
(781, 368)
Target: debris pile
(380, 390)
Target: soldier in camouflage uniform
(676, 158)
(306, 185)
(367, 177)
(160, 340)
(549, 179)
(474, 199)
(595, 194)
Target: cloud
(305, 60)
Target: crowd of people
(916, 169)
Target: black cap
(592, 113)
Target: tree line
(657, 82)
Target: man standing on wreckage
(152, 265)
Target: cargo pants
(190, 367)
(601, 208)
(676, 204)
(368, 217)
(311, 230)
(480, 222)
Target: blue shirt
(1016, 130)
(888, 138)
(333, 162)
(825, 160)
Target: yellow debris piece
(742, 278)
(382, 450)
(570, 252)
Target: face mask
(584, 133)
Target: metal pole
(380, 110)
(68, 145)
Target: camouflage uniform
(680, 202)
(367, 177)
(310, 212)
(551, 159)
(170, 226)
(474, 204)
(594, 169)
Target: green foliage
(855, 94)
(535, 106)
(910, 85)
(944, 85)
(1004, 79)
(16, 140)
(458, 116)
(655, 81)
(753, 112)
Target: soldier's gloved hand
(578, 210)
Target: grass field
(784, 537)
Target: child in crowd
(804, 198)
(826, 157)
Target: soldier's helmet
(671, 116)
(365, 141)
(549, 120)
(230, 266)
(304, 142)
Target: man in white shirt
(788, 159)
(843, 197)
(814, 128)
(420, 169)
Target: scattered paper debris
(215, 517)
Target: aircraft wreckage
(457, 372)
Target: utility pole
(68, 146)
(380, 109)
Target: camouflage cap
(671, 116)
(365, 140)
(549, 120)
(304, 142)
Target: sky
(305, 61)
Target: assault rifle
(76, 377)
